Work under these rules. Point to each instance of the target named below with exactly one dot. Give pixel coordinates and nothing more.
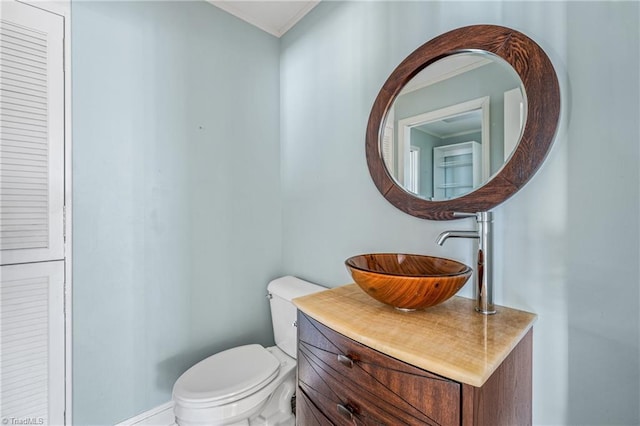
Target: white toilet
(247, 385)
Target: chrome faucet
(484, 269)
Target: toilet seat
(226, 377)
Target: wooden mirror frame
(543, 112)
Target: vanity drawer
(352, 383)
(333, 404)
(307, 414)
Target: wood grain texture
(307, 413)
(375, 388)
(450, 339)
(408, 281)
(506, 398)
(371, 388)
(543, 111)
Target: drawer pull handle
(345, 360)
(346, 411)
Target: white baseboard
(161, 415)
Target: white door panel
(32, 343)
(31, 134)
(32, 275)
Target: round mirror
(463, 122)
(453, 125)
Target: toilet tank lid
(227, 375)
(290, 287)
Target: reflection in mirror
(454, 125)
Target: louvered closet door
(32, 322)
(31, 134)
(32, 344)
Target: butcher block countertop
(450, 339)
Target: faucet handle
(463, 214)
(480, 216)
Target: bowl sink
(408, 281)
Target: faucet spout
(484, 267)
(456, 234)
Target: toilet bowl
(247, 385)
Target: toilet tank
(283, 311)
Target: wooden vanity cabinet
(342, 382)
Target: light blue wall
(567, 245)
(178, 168)
(177, 203)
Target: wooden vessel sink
(408, 281)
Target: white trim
(387, 145)
(414, 167)
(68, 196)
(298, 16)
(63, 8)
(59, 7)
(275, 29)
(513, 120)
(404, 133)
(161, 415)
(432, 74)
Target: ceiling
(455, 125)
(274, 17)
